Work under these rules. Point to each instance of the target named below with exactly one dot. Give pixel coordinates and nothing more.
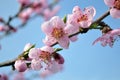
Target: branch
(11, 62)
(102, 17)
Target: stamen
(57, 33)
(45, 55)
(82, 18)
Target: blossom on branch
(81, 19)
(20, 65)
(55, 30)
(115, 7)
(108, 38)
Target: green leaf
(57, 49)
(65, 18)
(93, 26)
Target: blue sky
(83, 61)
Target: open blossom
(39, 55)
(20, 65)
(81, 19)
(54, 29)
(115, 7)
(108, 38)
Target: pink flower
(39, 55)
(54, 29)
(115, 7)
(20, 65)
(81, 19)
(108, 38)
(25, 15)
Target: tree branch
(11, 62)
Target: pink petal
(36, 64)
(55, 67)
(110, 3)
(47, 49)
(85, 24)
(47, 27)
(70, 29)
(77, 9)
(34, 53)
(49, 41)
(115, 13)
(57, 22)
(74, 38)
(64, 42)
(90, 11)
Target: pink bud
(27, 46)
(20, 65)
(59, 58)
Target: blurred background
(83, 61)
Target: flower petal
(49, 41)
(90, 11)
(115, 13)
(74, 38)
(64, 42)
(57, 22)
(110, 3)
(35, 64)
(47, 49)
(70, 29)
(76, 9)
(34, 52)
(47, 27)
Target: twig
(11, 62)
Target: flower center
(57, 33)
(82, 18)
(45, 55)
(117, 4)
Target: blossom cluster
(28, 10)
(60, 31)
(39, 7)
(57, 31)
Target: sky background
(83, 61)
